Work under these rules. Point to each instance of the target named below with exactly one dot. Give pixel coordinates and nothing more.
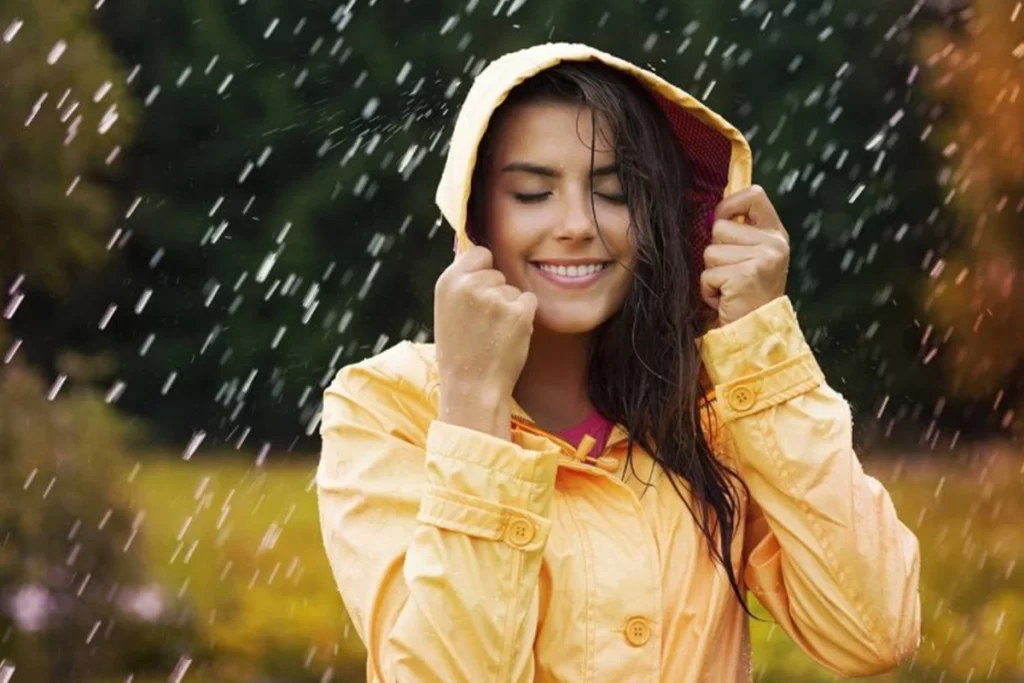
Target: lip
(566, 282)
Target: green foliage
(57, 130)
(74, 597)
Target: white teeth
(573, 271)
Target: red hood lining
(709, 153)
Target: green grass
(251, 563)
(243, 545)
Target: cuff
(477, 483)
(759, 361)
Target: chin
(568, 322)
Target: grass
(242, 545)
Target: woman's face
(542, 220)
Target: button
(742, 397)
(638, 631)
(519, 532)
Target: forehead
(554, 132)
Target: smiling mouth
(572, 272)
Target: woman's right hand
(482, 330)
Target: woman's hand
(482, 330)
(747, 262)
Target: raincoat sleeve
(825, 552)
(435, 541)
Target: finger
(711, 281)
(485, 279)
(725, 231)
(507, 292)
(475, 258)
(725, 254)
(753, 204)
(527, 303)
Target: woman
(552, 491)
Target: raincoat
(464, 557)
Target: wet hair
(644, 370)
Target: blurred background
(207, 207)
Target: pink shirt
(596, 426)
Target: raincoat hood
(718, 155)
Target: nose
(578, 222)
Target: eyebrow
(548, 172)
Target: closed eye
(527, 198)
(533, 198)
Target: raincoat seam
(588, 563)
(513, 609)
(770, 441)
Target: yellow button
(638, 631)
(519, 532)
(742, 397)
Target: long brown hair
(645, 370)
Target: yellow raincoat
(464, 557)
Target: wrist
(476, 408)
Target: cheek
(615, 231)
(514, 228)
(509, 237)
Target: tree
(972, 63)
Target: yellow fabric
(463, 557)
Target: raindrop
(278, 336)
(55, 389)
(225, 83)
(193, 445)
(56, 52)
(151, 97)
(35, 109)
(92, 633)
(856, 193)
(261, 457)
(134, 205)
(9, 34)
(101, 92)
(371, 107)
(143, 300)
(110, 118)
(12, 306)
(270, 28)
(180, 670)
(115, 392)
(105, 320)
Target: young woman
(619, 430)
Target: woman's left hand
(746, 263)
